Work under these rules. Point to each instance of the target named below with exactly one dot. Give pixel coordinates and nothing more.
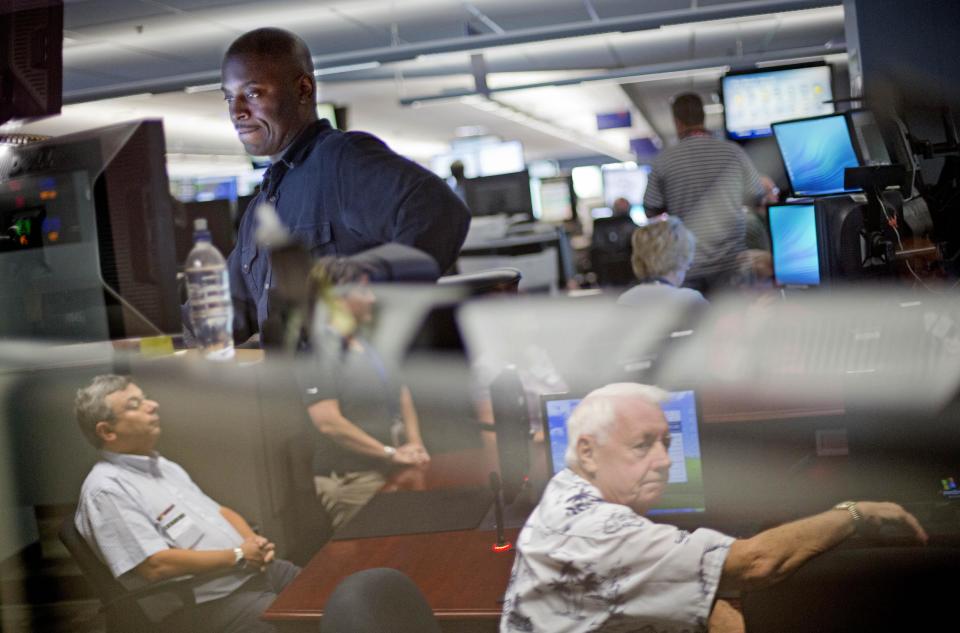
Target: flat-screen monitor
(793, 237)
(31, 59)
(625, 183)
(815, 154)
(88, 250)
(869, 138)
(685, 488)
(486, 157)
(493, 195)
(753, 100)
(219, 217)
(556, 201)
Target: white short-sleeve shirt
(133, 506)
(585, 564)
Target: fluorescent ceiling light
(346, 68)
(202, 88)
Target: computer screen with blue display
(685, 490)
(815, 154)
(793, 236)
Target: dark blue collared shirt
(340, 193)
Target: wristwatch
(238, 556)
(389, 451)
(851, 507)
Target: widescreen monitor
(685, 488)
(625, 183)
(556, 201)
(815, 154)
(793, 237)
(503, 194)
(488, 157)
(753, 100)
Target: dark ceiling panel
(82, 13)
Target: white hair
(597, 412)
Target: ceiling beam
(405, 51)
(741, 61)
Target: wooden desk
(460, 575)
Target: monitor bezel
(853, 143)
(757, 71)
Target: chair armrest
(182, 586)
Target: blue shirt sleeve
(386, 194)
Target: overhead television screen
(752, 101)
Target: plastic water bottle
(208, 288)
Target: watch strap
(851, 508)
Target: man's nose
(152, 406)
(662, 456)
(238, 109)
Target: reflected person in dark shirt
(338, 193)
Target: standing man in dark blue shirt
(338, 193)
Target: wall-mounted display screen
(753, 101)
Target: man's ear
(104, 431)
(307, 88)
(587, 453)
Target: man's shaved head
(267, 82)
(276, 44)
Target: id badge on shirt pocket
(182, 530)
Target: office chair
(312, 527)
(610, 251)
(860, 589)
(379, 600)
(118, 604)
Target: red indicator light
(499, 549)
(14, 185)
(19, 201)
(23, 240)
(53, 236)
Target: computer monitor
(483, 156)
(89, 249)
(31, 59)
(869, 138)
(219, 217)
(506, 193)
(754, 99)
(625, 183)
(556, 201)
(684, 493)
(815, 154)
(793, 238)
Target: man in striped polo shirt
(706, 182)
